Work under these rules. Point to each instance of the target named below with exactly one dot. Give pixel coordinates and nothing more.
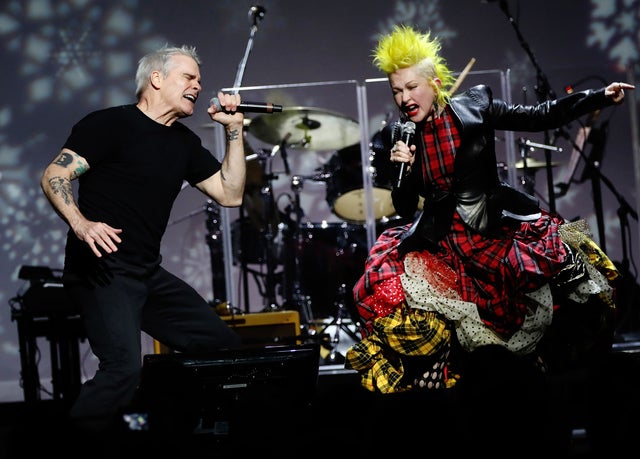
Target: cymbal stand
(214, 240)
(525, 145)
(270, 232)
(527, 180)
(302, 302)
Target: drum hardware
(338, 322)
(323, 174)
(271, 227)
(527, 166)
(316, 252)
(325, 259)
(254, 208)
(214, 241)
(334, 252)
(301, 302)
(322, 262)
(283, 153)
(533, 164)
(306, 128)
(345, 191)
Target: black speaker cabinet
(235, 398)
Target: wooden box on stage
(259, 328)
(268, 327)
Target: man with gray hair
(130, 162)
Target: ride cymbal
(307, 128)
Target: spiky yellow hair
(405, 47)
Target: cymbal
(308, 128)
(535, 164)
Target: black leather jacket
(477, 193)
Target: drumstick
(462, 76)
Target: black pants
(115, 313)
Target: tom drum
(345, 190)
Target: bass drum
(331, 255)
(345, 190)
(330, 259)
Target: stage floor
(344, 419)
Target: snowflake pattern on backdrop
(69, 45)
(68, 48)
(614, 30)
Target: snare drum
(345, 191)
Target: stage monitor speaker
(233, 397)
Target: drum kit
(526, 166)
(307, 266)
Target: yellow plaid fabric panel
(404, 333)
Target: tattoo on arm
(233, 135)
(62, 186)
(65, 159)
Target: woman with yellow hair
(482, 264)
(464, 295)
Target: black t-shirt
(136, 170)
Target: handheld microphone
(408, 130)
(249, 107)
(396, 131)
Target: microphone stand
(256, 13)
(544, 91)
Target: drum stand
(269, 233)
(301, 301)
(338, 322)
